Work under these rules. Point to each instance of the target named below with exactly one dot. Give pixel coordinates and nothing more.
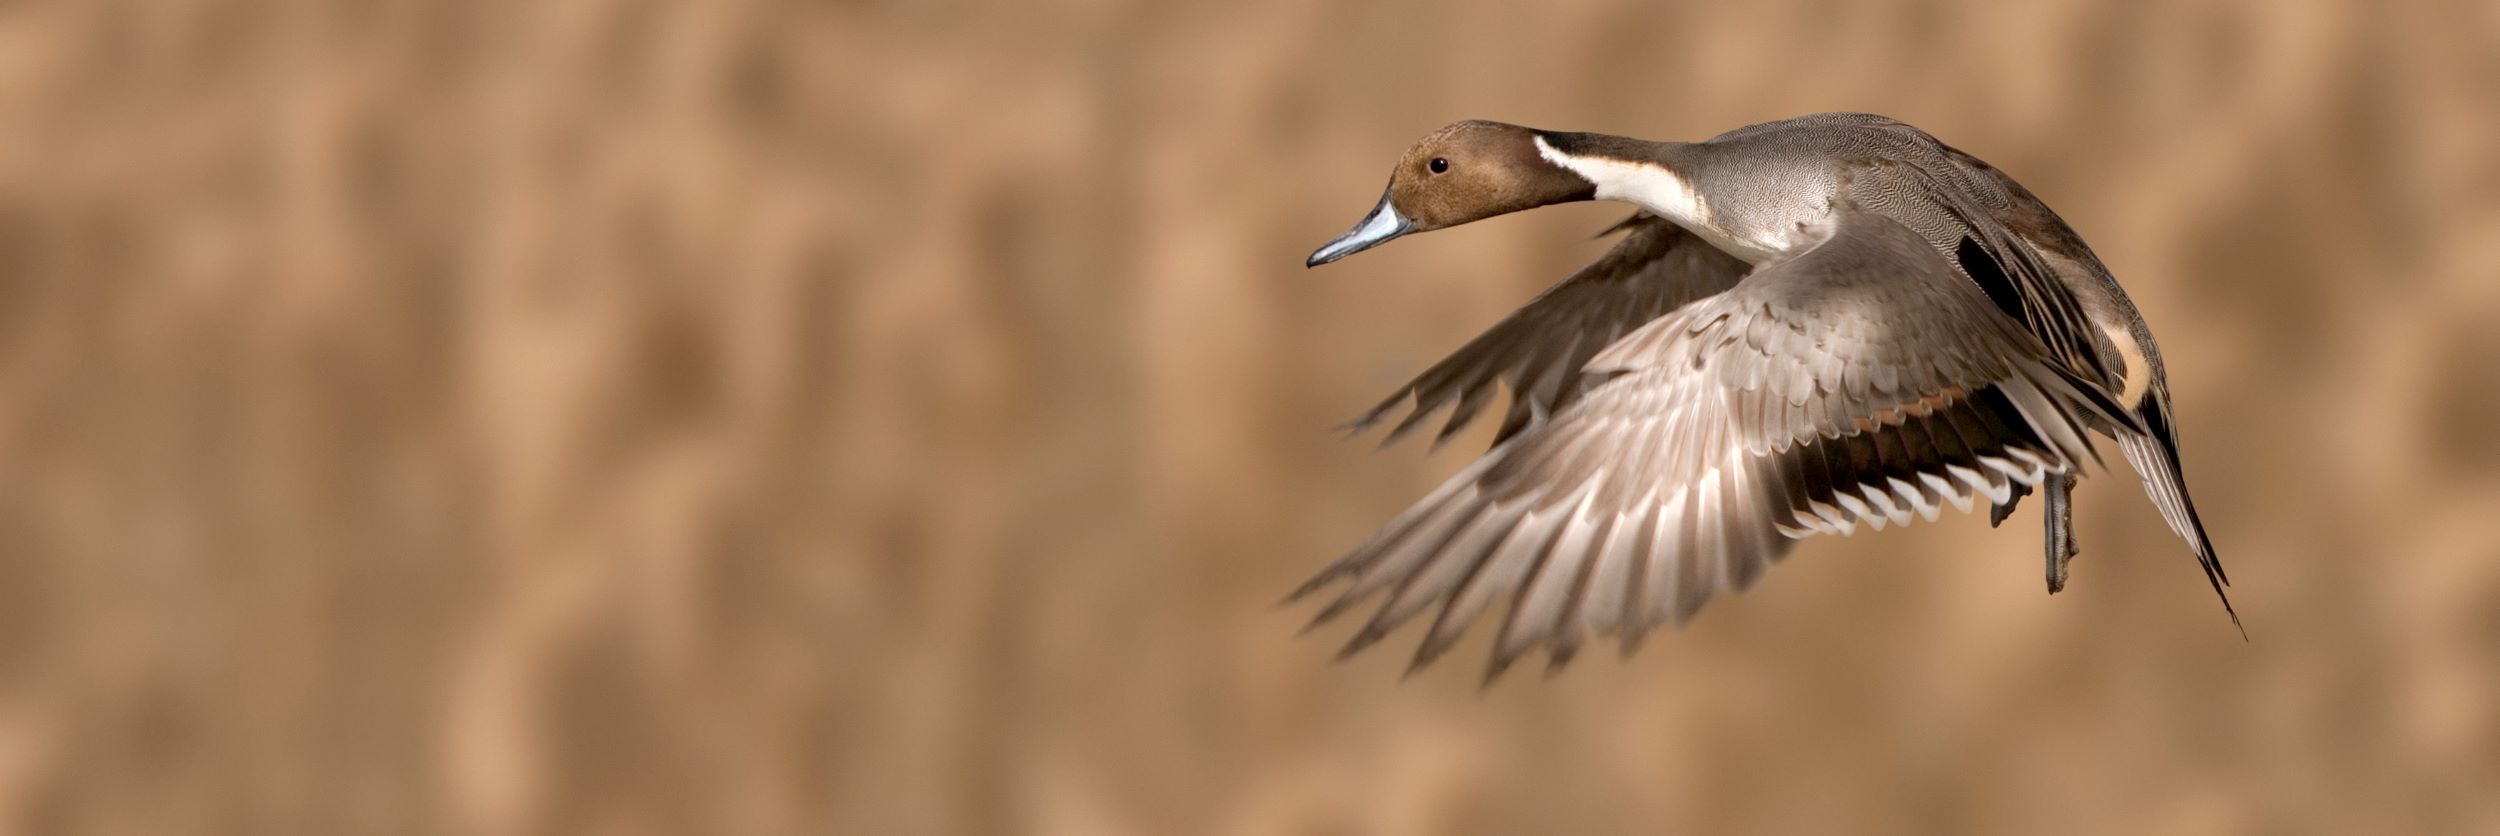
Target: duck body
(1813, 323)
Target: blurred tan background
(622, 417)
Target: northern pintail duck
(1812, 324)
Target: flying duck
(1811, 325)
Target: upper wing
(1539, 349)
(1861, 381)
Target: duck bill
(1377, 228)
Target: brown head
(1464, 172)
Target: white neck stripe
(1654, 187)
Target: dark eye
(1440, 165)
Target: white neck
(1650, 185)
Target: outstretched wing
(1862, 381)
(1539, 349)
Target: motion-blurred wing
(1538, 350)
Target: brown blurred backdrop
(612, 417)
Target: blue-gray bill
(1378, 227)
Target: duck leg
(2059, 521)
(1998, 513)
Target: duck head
(1463, 172)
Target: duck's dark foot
(1998, 513)
(2059, 520)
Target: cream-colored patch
(2139, 373)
